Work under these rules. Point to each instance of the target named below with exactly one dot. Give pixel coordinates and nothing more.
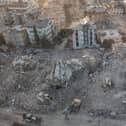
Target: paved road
(80, 120)
(75, 120)
(6, 119)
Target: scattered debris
(43, 98)
(29, 118)
(24, 63)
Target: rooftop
(81, 26)
(42, 23)
(109, 33)
(97, 9)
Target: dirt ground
(101, 105)
(81, 119)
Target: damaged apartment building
(30, 32)
(16, 36)
(42, 28)
(84, 36)
(11, 10)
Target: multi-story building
(45, 27)
(29, 27)
(63, 12)
(84, 36)
(3, 13)
(118, 7)
(39, 29)
(16, 36)
(5, 2)
(12, 11)
(55, 12)
(12, 2)
(118, 10)
(20, 18)
(109, 34)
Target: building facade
(29, 27)
(109, 34)
(42, 28)
(63, 12)
(45, 28)
(84, 36)
(16, 36)
(118, 10)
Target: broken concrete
(24, 63)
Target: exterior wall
(63, 11)
(2, 14)
(32, 31)
(40, 32)
(5, 16)
(84, 37)
(47, 31)
(118, 11)
(3, 2)
(31, 35)
(57, 15)
(16, 38)
(109, 34)
(19, 19)
(21, 38)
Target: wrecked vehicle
(29, 118)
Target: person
(66, 112)
(73, 107)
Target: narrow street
(81, 119)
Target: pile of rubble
(24, 63)
(43, 85)
(40, 84)
(63, 71)
(32, 82)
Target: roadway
(57, 119)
